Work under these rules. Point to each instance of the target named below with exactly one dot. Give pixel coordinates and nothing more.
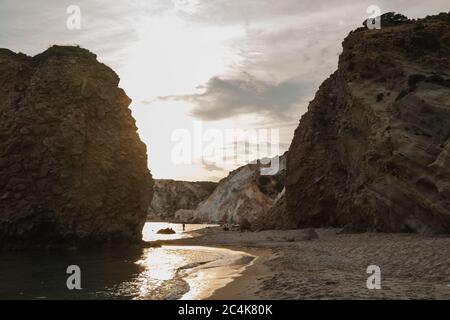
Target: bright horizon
(228, 64)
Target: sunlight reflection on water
(149, 233)
(161, 265)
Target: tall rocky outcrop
(373, 151)
(171, 195)
(72, 166)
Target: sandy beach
(290, 265)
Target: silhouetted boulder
(166, 231)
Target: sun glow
(172, 57)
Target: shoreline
(242, 287)
(226, 283)
(206, 279)
(202, 270)
(290, 265)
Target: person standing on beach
(184, 227)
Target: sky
(206, 75)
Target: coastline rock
(243, 196)
(169, 196)
(166, 231)
(185, 216)
(72, 167)
(373, 151)
(275, 217)
(310, 234)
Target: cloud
(256, 11)
(283, 58)
(289, 48)
(225, 98)
(263, 59)
(238, 11)
(107, 28)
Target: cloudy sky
(196, 66)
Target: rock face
(241, 197)
(170, 196)
(72, 167)
(275, 217)
(373, 151)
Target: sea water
(150, 273)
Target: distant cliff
(72, 167)
(373, 151)
(170, 196)
(241, 197)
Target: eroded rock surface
(72, 167)
(240, 198)
(373, 150)
(171, 195)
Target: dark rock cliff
(373, 151)
(72, 167)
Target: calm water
(152, 273)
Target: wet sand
(202, 270)
(188, 272)
(223, 267)
(288, 266)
